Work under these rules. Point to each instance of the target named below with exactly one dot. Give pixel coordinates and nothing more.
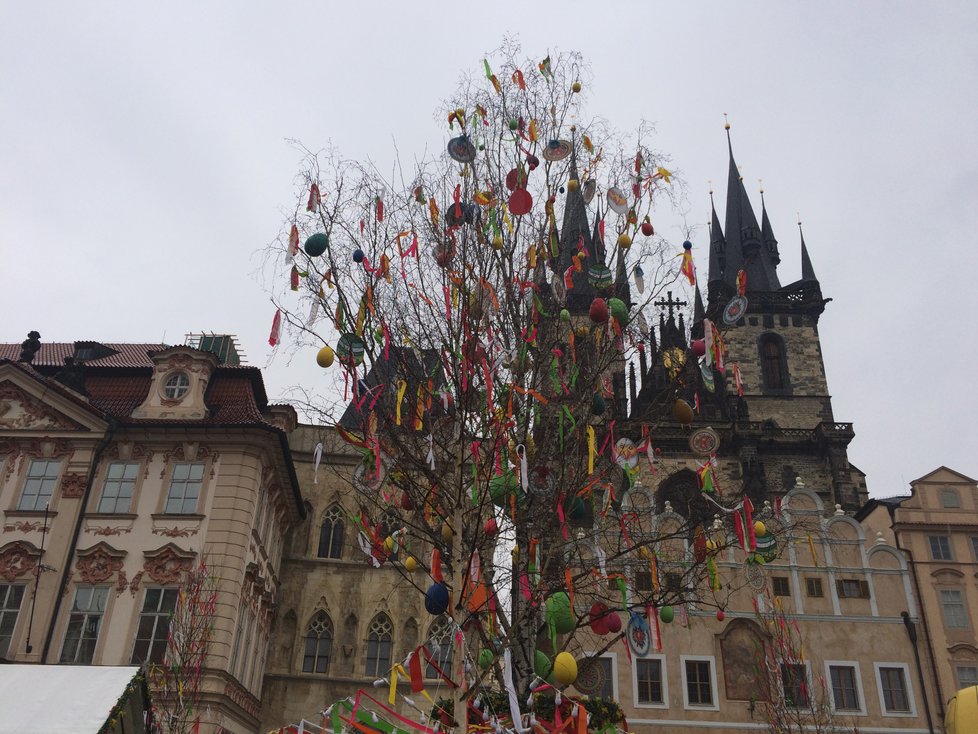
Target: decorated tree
(175, 682)
(476, 314)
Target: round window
(176, 386)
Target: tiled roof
(52, 354)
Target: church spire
(807, 271)
(573, 232)
(767, 233)
(717, 245)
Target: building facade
(937, 528)
(122, 466)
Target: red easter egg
(598, 311)
(647, 228)
(613, 622)
(520, 202)
(698, 346)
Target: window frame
(165, 386)
(102, 614)
(55, 480)
(857, 673)
(339, 518)
(105, 481)
(165, 495)
(958, 666)
(766, 339)
(862, 585)
(806, 668)
(816, 583)
(908, 684)
(306, 636)
(664, 683)
(944, 543)
(783, 581)
(379, 671)
(714, 691)
(965, 619)
(946, 493)
(6, 591)
(159, 615)
(429, 672)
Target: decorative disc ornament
(520, 202)
(735, 310)
(626, 453)
(639, 639)
(557, 150)
(588, 190)
(350, 349)
(755, 574)
(461, 149)
(617, 201)
(704, 441)
(590, 677)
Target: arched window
(439, 647)
(379, 643)
(331, 533)
(682, 491)
(319, 644)
(774, 365)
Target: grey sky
(143, 162)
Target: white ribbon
(317, 456)
(602, 556)
(514, 702)
(313, 313)
(431, 451)
(524, 472)
(708, 339)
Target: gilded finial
(798, 214)
(709, 182)
(726, 123)
(760, 183)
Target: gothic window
(774, 364)
(331, 533)
(439, 647)
(319, 644)
(379, 643)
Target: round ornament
(619, 310)
(502, 487)
(624, 241)
(325, 356)
(626, 453)
(598, 311)
(755, 574)
(598, 618)
(559, 613)
(599, 276)
(461, 149)
(617, 201)
(698, 347)
(516, 179)
(410, 565)
(557, 150)
(358, 256)
(590, 677)
(667, 614)
(734, 310)
(520, 202)
(485, 658)
(598, 404)
(682, 412)
(612, 622)
(589, 189)
(704, 441)
(565, 668)
(759, 528)
(767, 548)
(542, 665)
(436, 598)
(647, 229)
(349, 349)
(639, 639)
(720, 615)
(316, 244)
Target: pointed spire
(622, 289)
(699, 313)
(717, 244)
(807, 271)
(767, 233)
(573, 230)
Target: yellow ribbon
(401, 389)
(811, 546)
(392, 696)
(591, 449)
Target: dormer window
(176, 386)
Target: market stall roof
(68, 699)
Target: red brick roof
(52, 354)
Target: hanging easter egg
(410, 564)
(461, 149)
(617, 201)
(666, 614)
(454, 215)
(619, 310)
(514, 124)
(599, 276)
(720, 615)
(612, 622)
(565, 315)
(542, 665)
(502, 487)
(598, 312)
(682, 412)
(532, 161)
(485, 658)
(557, 150)
(767, 547)
(497, 242)
(490, 528)
(626, 454)
(759, 528)
(597, 618)
(446, 533)
(316, 244)
(520, 202)
(325, 356)
(576, 87)
(647, 228)
(598, 404)
(516, 179)
(559, 612)
(698, 346)
(638, 634)
(443, 253)
(632, 216)
(349, 349)
(406, 503)
(624, 241)
(590, 187)
(436, 598)
(358, 256)
(565, 668)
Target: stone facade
(139, 488)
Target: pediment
(28, 403)
(943, 475)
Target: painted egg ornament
(666, 614)
(443, 253)
(406, 503)
(516, 179)
(565, 315)
(624, 241)
(576, 87)
(502, 487)
(520, 202)
(720, 615)
(598, 618)
(617, 201)
(485, 658)
(577, 509)
(446, 533)
(514, 124)
(436, 598)
(497, 242)
(410, 565)
(490, 528)
(542, 665)
(559, 612)
(759, 528)
(698, 346)
(647, 228)
(325, 357)
(590, 188)
(565, 668)
(532, 161)
(687, 245)
(619, 310)
(612, 622)
(316, 244)
(598, 404)
(389, 544)
(598, 313)
(681, 412)
(349, 349)
(461, 149)
(358, 256)
(600, 276)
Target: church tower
(771, 409)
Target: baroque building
(121, 467)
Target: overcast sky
(144, 162)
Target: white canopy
(59, 699)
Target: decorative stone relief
(73, 486)
(168, 564)
(18, 559)
(98, 563)
(20, 410)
